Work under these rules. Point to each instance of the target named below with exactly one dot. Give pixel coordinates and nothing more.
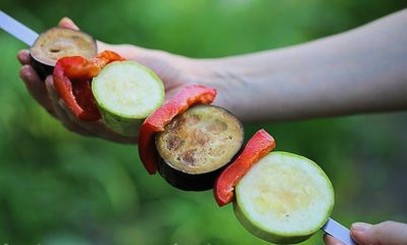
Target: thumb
(385, 233)
(68, 23)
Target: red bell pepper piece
(188, 96)
(72, 76)
(259, 145)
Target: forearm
(363, 70)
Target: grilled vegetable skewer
(279, 197)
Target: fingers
(36, 87)
(385, 233)
(46, 95)
(96, 128)
(329, 240)
(72, 123)
(23, 57)
(34, 84)
(68, 23)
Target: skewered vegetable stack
(278, 196)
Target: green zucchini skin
(121, 125)
(188, 182)
(266, 235)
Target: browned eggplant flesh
(202, 140)
(59, 42)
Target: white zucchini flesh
(284, 198)
(126, 93)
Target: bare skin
(385, 233)
(359, 71)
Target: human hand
(175, 71)
(385, 233)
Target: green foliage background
(60, 188)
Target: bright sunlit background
(60, 188)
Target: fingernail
(359, 231)
(65, 18)
(361, 227)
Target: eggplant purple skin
(188, 182)
(43, 70)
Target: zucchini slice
(196, 145)
(284, 198)
(126, 93)
(59, 42)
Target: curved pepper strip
(188, 96)
(72, 77)
(259, 145)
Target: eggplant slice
(59, 42)
(196, 145)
